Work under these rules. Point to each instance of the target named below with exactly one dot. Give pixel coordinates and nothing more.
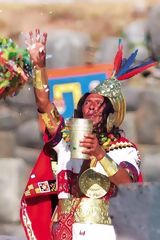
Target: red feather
(136, 71)
(118, 58)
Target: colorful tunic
(46, 187)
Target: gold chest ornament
(94, 184)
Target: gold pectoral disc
(93, 184)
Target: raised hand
(92, 147)
(36, 45)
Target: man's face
(93, 108)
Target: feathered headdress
(125, 68)
(122, 69)
(15, 67)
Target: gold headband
(111, 88)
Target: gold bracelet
(109, 165)
(47, 121)
(51, 119)
(55, 115)
(37, 79)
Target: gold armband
(109, 165)
(55, 115)
(52, 119)
(38, 79)
(47, 121)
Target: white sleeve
(64, 156)
(128, 154)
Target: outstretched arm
(36, 45)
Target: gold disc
(93, 184)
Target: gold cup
(79, 128)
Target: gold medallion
(93, 184)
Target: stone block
(153, 32)
(148, 117)
(8, 142)
(30, 155)
(5, 237)
(66, 48)
(9, 119)
(129, 127)
(12, 183)
(107, 49)
(25, 98)
(150, 167)
(28, 134)
(135, 211)
(132, 95)
(12, 231)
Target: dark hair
(107, 110)
(78, 112)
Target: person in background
(59, 201)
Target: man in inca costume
(59, 201)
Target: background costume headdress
(14, 63)
(111, 88)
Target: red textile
(64, 227)
(36, 211)
(140, 178)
